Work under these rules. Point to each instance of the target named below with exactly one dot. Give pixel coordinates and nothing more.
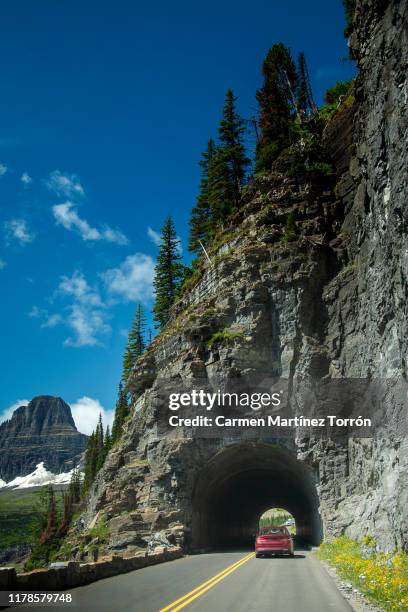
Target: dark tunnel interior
(240, 483)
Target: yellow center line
(205, 586)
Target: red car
(274, 541)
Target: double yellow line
(205, 586)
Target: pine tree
(276, 103)
(121, 412)
(100, 443)
(231, 133)
(200, 221)
(136, 343)
(91, 458)
(350, 8)
(221, 188)
(50, 530)
(168, 272)
(75, 486)
(304, 95)
(227, 171)
(108, 442)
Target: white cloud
(78, 287)
(3, 169)
(133, 279)
(17, 229)
(26, 178)
(66, 215)
(52, 321)
(87, 324)
(8, 412)
(154, 236)
(87, 315)
(2, 264)
(49, 320)
(66, 185)
(85, 412)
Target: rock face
(330, 305)
(42, 431)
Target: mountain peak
(44, 430)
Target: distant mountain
(43, 431)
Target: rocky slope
(330, 305)
(42, 431)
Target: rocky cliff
(42, 431)
(329, 305)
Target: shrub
(224, 336)
(341, 88)
(323, 168)
(291, 230)
(189, 283)
(100, 531)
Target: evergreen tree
(121, 412)
(304, 96)
(168, 272)
(136, 343)
(75, 486)
(200, 221)
(231, 133)
(108, 442)
(221, 188)
(100, 444)
(227, 171)
(276, 104)
(350, 8)
(91, 459)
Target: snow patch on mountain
(40, 477)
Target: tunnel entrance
(242, 481)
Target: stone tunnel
(240, 483)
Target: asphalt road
(215, 582)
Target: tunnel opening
(240, 483)
(277, 517)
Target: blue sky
(104, 113)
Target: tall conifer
(121, 412)
(136, 343)
(228, 167)
(200, 221)
(276, 105)
(304, 94)
(168, 273)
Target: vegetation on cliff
(382, 577)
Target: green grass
(17, 511)
(225, 337)
(100, 531)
